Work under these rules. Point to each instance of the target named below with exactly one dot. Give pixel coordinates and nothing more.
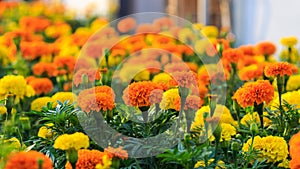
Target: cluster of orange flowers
(280, 69)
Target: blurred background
(250, 20)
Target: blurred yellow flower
(13, 142)
(169, 98)
(63, 97)
(136, 72)
(13, 84)
(293, 83)
(162, 77)
(3, 110)
(289, 41)
(210, 31)
(39, 103)
(186, 35)
(291, 97)
(46, 131)
(221, 164)
(71, 141)
(29, 91)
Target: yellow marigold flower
(63, 96)
(45, 131)
(210, 31)
(106, 163)
(220, 111)
(13, 142)
(284, 164)
(185, 35)
(293, 83)
(272, 148)
(29, 91)
(254, 117)
(138, 73)
(227, 131)
(292, 55)
(162, 77)
(40, 102)
(71, 141)
(169, 98)
(289, 41)
(12, 84)
(221, 164)
(3, 110)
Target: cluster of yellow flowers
(72, 141)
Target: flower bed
(126, 94)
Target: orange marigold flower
(174, 67)
(281, 69)
(254, 92)
(41, 85)
(295, 146)
(295, 151)
(156, 96)
(126, 24)
(192, 102)
(28, 160)
(248, 49)
(117, 152)
(35, 49)
(265, 48)
(99, 98)
(34, 23)
(185, 79)
(47, 69)
(88, 159)
(232, 55)
(65, 63)
(251, 72)
(147, 28)
(164, 23)
(92, 74)
(138, 93)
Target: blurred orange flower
(117, 152)
(41, 85)
(265, 48)
(126, 24)
(34, 23)
(232, 55)
(44, 69)
(251, 72)
(147, 28)
(66, 63)
(192, 102)
(280, 69)
(92, 74)
(28, 160)
(99, 98)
